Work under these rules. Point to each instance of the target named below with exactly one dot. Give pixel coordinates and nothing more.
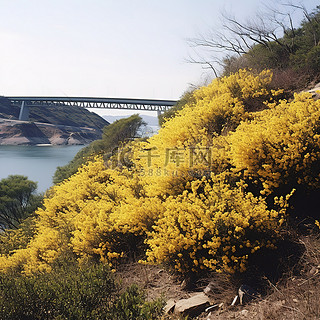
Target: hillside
(151, 121)
(224, 197)
(217, 213)
(49, 125)
(14, 132)
(270, 39)
(61, 115)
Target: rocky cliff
(57, 125)
(64, 115)
(14, 132)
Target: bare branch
(238, 38)
(206, 64)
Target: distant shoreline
(16, 132)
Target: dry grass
(290, 80)
(294, 296)
(156, 281)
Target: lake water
(38, 163)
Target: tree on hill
(269, 41)
(17, 200)
(113, 135)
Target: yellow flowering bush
(98, 212)
(12, 239)
(281, 146)
(213, 226)
(215, 109)
(194, 140)
(181, 199)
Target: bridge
(88, 102)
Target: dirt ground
(294, 297)
(156, 281)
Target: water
(38, 163)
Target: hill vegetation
(227, 189)
(209, 198)
(268, 40)
(114, 135)
(296, 51)
(18, 200)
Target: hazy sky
(107, 48)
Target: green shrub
(296, 50)
(18, 200)
(131, 305)
(113, 136)
(72, 293)
(13, 239)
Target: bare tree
(237, 38)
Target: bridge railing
(89, 102)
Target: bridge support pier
(24, 112)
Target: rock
(169, 307)
(314, 270)
(208, 289)
(244, 313)
(192, 306)
(15, 132)
(315, 91)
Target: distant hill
(61, 125)
(59, 115)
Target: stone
(315, 92)
(207, 289)
(192, 306)
(244, 313)
(314, 270)
(169, 307)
